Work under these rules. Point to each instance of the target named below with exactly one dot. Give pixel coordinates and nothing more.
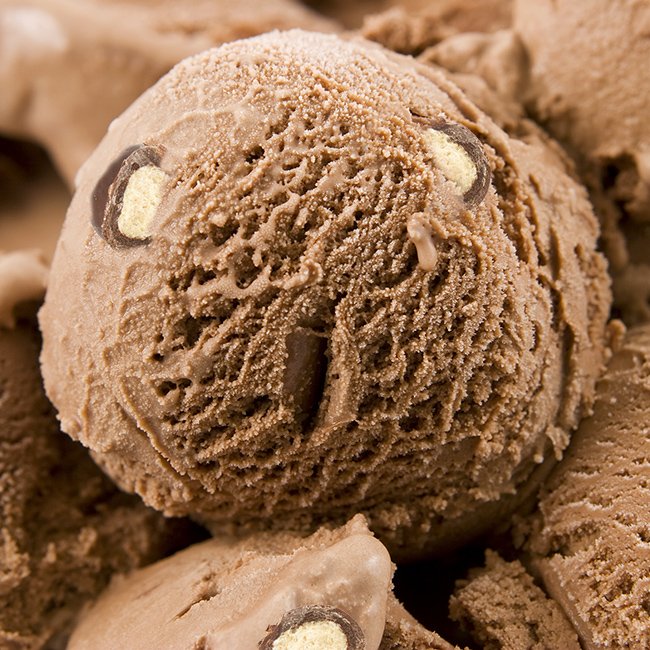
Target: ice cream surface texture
(502, 607)
(331, 591)
(303, 277)
(593, 541)
(64, 527)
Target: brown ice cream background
(121, 288)
(68, 68)
(595, 101)
(591, 540)
(64, 527)
(631, 282)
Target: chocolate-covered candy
(127, 196)
(314, 626)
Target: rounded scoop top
(340, 287)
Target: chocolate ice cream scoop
(593, 540)
(331, 591)
(68, 68)
(303, 277)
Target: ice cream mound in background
(591, 538)
(64, 527)
(595, 101)
(418, 23)
(345, 289)
(68, 68)
(411, 26)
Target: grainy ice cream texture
(64, 527)
(68, 68)
(592, 539)
(410, 26)
(331, 591)
(595, 101)
(503, 609)
(303, 278)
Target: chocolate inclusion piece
(108, 195)
(459, 135)
(326, 627)
(305, 373)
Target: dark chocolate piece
(305, 372)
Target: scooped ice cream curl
(303, 277)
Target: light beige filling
(141, 200)
(315, 635)
(452, 160)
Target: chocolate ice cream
(64, 528)
(33, 199)
(68, 68)
(592, 543)
(331, 591)
(303, 277)
(410, 26)
(590, 86)
(23, 278)
(503, 609)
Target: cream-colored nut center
(315, 635)
(141, 199)
(452, 159)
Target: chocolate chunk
(99, 198)
(324, 626)
(305, 372)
